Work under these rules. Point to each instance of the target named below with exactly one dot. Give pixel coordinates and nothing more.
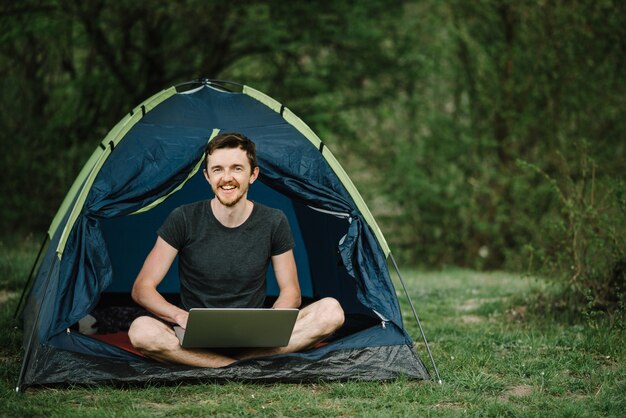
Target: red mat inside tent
(118, 339)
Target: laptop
(237, 327)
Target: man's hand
(182, 318)
(151, 275)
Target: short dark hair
(232, 140)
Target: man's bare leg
(315, 323)
(158, 341)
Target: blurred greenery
(485, 134)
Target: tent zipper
(341, 215)
(383, 320)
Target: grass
(496, 354)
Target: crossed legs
(158, 341)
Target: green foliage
(584, 246)
(428, 104)
(69, 71)
(487, 84)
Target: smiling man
(224, 246)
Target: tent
(150, 163)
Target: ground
(496, 355)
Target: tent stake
(419, 324)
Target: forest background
(483, 134)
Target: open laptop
(237, 327)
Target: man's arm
(152, 273)
(287, 277)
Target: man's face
(229, 174)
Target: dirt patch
(155, 406)
(607, 362)
(475, 303)
(470, 305)
(450, 405)
(519, 391)
(471, 319)
(517, 313)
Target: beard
(233, 200)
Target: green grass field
(496, 354)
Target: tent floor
(116, 311)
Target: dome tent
(150, 163)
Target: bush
(583, 248)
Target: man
(224, 247)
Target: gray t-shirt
(221, 267)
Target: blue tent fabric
(155, 156)
(124, 185)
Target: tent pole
(29, 346)
(419, 324)
(30, 278)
